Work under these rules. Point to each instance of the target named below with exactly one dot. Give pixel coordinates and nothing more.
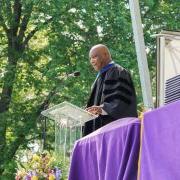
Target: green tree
(19, 21)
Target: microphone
(74, 74)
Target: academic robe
(115, 92)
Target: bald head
(99, 56)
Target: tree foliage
(42, 41)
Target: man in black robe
(113, 95)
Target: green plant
(42, 166)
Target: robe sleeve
(118, 93)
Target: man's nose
(92, 60)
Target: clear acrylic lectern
(69, 120)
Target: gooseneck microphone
(74, 74)
(64, 77)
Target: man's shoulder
(117, 68)
(117, 71)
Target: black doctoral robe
(114, 91)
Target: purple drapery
(160, 153)
(110, 153)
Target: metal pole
(161, 71)
(44, 133)
(141, 53)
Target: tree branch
(24, 22)
(17, 16)
(8, 7)
(46, 102)
(31, 34)
(3, 127)
(7, 88)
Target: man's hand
(96, 110)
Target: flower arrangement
(39, 167)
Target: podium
(69, 120)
